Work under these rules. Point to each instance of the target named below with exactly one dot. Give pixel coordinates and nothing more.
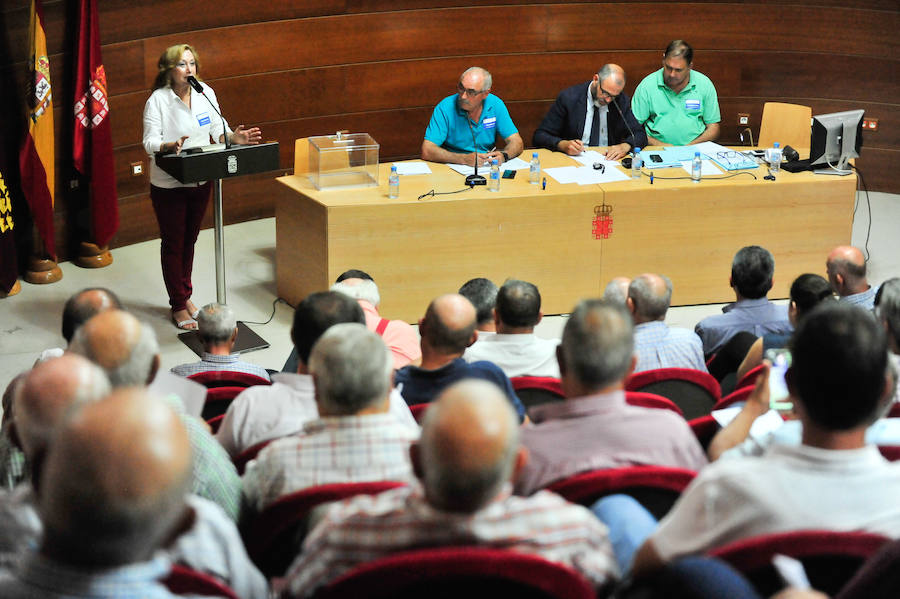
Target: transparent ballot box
(343, 160)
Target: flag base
(91, 256)
(16, 288)
(42, 271)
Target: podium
(215, 163)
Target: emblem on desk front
(603, 222)
(232, 164)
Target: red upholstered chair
(418, 411)
(738, 396)
(693, 391)
(227, 378)
(217, 401)
(241, 459)
(273, 537)
(749, 379)
(890, 452)
(184, 581)
(655, 487)
(894, 411)
(215, 422)
(651, 400)
(830, 558)
(705, 428)
(454, 572)
(537, 390)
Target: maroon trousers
(179, 212)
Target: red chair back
(218, 399)
(651, 400)
(749, 379)
(705, 428)
(453, 572)
(215, 422)
(693, 391)
(738, 396)
(241, 459)
(890, 452)
(228, 378)
(418, 411)
(894, 411)
(185, 581)
(274, 536)
(655, 487)
(536, 390)
(830, 558)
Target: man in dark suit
(582, 116)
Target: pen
(544, 184)
(651, 177)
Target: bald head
(616, 291)
(121, 345)
(449, 325)
(846, 268)
(110, 495)
(649, 296)
(469, 446)
(48, 393)
(612, 73)
(84, 305)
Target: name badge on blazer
(692, 104)
(490, 122)
(203, 118)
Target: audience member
(594, 427)
(447, 329)
(218, 330)
(483, 295)
(515, 348)
(12, 460)
(751, 279)
(400, 337)
(656, 344)
(263, 413)
(616, 290)
(887, 312)
(467, 455)
(127, 350)
(78, 310)
(355, 438)
(846, 269)
(837, 381)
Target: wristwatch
(505, 156)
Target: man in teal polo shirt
(677, 106)
(466, 125)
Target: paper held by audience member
(416, 167)
(761, 427)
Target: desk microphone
(476, 179)
(624, 120)
(199, 89)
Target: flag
(9, 270)
(92, 138)
(36, 156)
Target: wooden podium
(195, 165)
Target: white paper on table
(710, 148)
(418, 167)
(761, 427)
(586, 175)
(464, 169)
(516, 164)
(589, 157)
(707, 167)
(563, 174)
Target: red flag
(36, 156)
(9, 270)
(92, 139)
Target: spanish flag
(36, 157)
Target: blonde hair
(167, 61)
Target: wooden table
(418, 249)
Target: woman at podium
(182, 113)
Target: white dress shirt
(589, 121)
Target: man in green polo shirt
(677, 106)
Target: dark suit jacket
(565, 120)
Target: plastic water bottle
(696, 168)
(494, 183)
(637, 162)
(534, 173)
(775, 158)
(394, 183)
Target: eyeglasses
(466, 91)
(606, 94)
(731, 157)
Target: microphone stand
(624, 120)
(475, 179)
(199, 89)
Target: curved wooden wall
(313, 67)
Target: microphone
(624, 120)
(199, 89)
(476, 179)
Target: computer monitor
(835, 139)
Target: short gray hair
(216, 323)
(352, 368)
(614, 292)
(598, 343)
(647, 304)
(488, 81)
(133, 371)
(607, 71)
(365, 290)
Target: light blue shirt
(452, 129)
(866, 299)
(757, 316)
(659, 346)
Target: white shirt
(589, 121)
(517, 354)
(167, 119)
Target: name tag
(692, 104)
(203, 118)
(490, 122)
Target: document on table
(584, 175)
(708, 167)
(589, 157)
(418, 167)
(516, 164)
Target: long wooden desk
(418, 249)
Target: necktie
(595, 128)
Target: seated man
(447, 329)
(751, 279)
(656, 344)
(465, 126)
(832, 481)
(676, 104)
(355, 438)
(581, 117)
(616, 291)
(594, 427)
(267, 412)
(80, 308)
(483, 295)
(468, 454)
(218, 330)
(847, 274)
(515, 348)
(887, 312)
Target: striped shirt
(660, 346)
(345, 449)
(369, 527)
(214, 362)
(865, 299)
